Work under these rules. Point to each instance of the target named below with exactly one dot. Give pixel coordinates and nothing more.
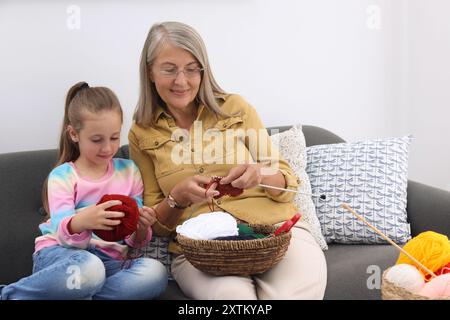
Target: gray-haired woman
(181, 137)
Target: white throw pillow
(371, 176)
(292, 147)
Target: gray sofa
(353, 270)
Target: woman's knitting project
(224, 189)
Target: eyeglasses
(172, 72)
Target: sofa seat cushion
(173, 292)
(354, 271)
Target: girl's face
(177, 76)
(99, 138)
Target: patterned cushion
(371, 176)
(292, 147)
(157, 249)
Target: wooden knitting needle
(347, 207)
(321, 196)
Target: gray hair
(182, 36)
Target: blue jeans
(70, 273)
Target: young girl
(70, 261)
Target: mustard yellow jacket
(166, 154)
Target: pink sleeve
(78, 240)
(138, 186)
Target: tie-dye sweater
(68, 193)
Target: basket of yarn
(254, 252)
(427, 278)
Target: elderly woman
(187, 129)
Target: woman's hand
(96, 218)
(193, 190)
(147, 217)
(244, 176)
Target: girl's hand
(244, 176)
(192, 190)
(147, 218)
(96, 218)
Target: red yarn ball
(129, 221)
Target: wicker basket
(390, 291)
(236, 257)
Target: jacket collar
(160, 111)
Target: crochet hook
(321, 196)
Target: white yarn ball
(406, 276)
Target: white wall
(426, 106)
(322, 62)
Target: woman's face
(176, 88)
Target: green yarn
(244, 229)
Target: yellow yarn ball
(429, 248)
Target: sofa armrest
(428, 209)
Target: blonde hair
(80, 99)
(182, 36)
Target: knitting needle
(347, 207)
(321, 196)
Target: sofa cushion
(371, 176)
(21, 178)
(292, 147)
(173, 292)
(355, 271)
